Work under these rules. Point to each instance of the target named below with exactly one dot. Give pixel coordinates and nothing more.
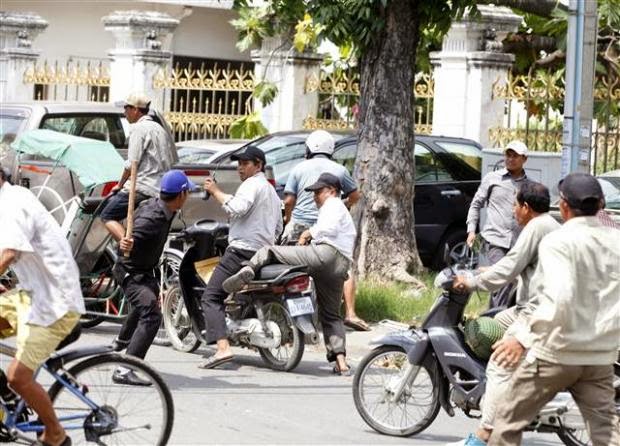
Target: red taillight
(107, 188)
(272, 181)
(298, 284)
(198, 173)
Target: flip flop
(347, 372)
(357, 324)
(211, 362)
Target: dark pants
(117, 206)
(144, 318)
(493, 254)
(214, 296)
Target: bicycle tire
(113, 360)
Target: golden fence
(534, 114)
(204, 102)
(72, 80)
(339, 93)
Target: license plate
(300, 306)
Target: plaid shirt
(606, 219)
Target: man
(135, 274)
(152, 147)
(300, 209)
(328, 258)
(255, 213)
(531, 212)
(497, 192)
(574, 331)
(48, 297)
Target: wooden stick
(132, 201)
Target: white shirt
(45, 266)
(255, 213)
(335, 227)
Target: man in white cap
(497, 192)
(152, 147)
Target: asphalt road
(246, 403)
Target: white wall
(75, 28)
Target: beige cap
(138, 100)
(518, 147)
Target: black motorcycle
(274, 314)
(402, 383)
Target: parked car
(203, 151)
(447, 177)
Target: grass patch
(376, 301)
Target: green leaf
(265, 92)
(247, 127)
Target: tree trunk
(385, 164)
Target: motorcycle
(400, 386)
(274, 314)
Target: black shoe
(129, 378)
(119, 345)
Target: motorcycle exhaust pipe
(312, 338)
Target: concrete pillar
(278, 62)
(142, 48)
(17, 31)
(465, 70)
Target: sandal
(347, 372)
(211, 362)
(357, 324)
(67, 442)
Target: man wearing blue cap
(135, 273)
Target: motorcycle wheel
(178, 323)
(287, 356)
(416, 409)
(573, 430)
(168, 274)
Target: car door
(439, 202)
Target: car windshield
(10, 126)
(188, 155)
(611, 190)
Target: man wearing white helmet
(497, 192)
(300, 209)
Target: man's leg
(500, 297)
(351, 319)
(213, 303)
(594, 394)
(142, 292)
(533, 385)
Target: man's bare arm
(289, 205)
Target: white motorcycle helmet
(320, 141)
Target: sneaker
(471, 440)
(239, 280)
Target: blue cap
(175, 181)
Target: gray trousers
(491, 255)
(329, 269)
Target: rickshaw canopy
(94, 162)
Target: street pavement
(244, 402)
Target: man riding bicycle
(48, 302)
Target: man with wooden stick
(152, 149)
(135, 272)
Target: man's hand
(126, 244)
(210, 185)
(2, 289)
(460, 284)
(116, 189)
(507, 352)
(304, 238)
(471, 237)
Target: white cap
(518, 147)
(320, 141)
(138, 100)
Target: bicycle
(89, 405)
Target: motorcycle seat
(90, 204)
(270, 272)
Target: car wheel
(456, 246)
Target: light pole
(579, 96)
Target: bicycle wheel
(168, 274)
(126, 415)
(377, 376)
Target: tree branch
(521, 41)
(541, 8)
